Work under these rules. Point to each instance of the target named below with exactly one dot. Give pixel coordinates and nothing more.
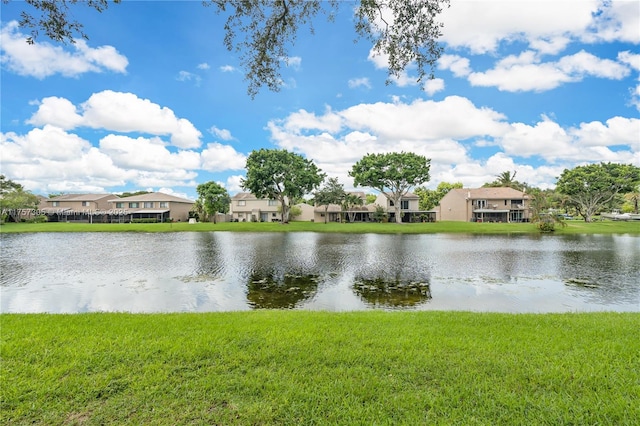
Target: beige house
(484, 205)
(335, 212)
(77, 207)
(246, 207)
(154, 206)
(409, 208)
(307, 213)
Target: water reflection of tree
(208, 255)
(380, 292)
(600, 270)
(270, 291)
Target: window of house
(404, 204)
(148, 204)
(133, 205)
(273, 202)
(85, 204)
(56, 203)
(119, 205)
(481, 204)
(273, 214)
(164, 204)
(242, 203)
(391, 203)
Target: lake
(229, 271)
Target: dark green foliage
(278, 174)
(430, 199)
(331, 193)
(213, 198)
(592, 187)
(55, 19)
(393, 174)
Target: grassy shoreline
(573, 227)
(298, 367)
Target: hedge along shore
(300, 367)
(573, 227)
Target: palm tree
(507, 180)
(542, 213)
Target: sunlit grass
(297, 367)
(574, 226)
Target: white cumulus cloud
(42, 59)
(121, 112)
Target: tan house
(154, 206)
(77, 207)
(409, 208)
(484, 205)
(336, 213)
(246, 207)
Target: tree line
(287, 177)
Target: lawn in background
(573, 227)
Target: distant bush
(39, 219)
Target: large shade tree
(590, 188)
(393, 174)
(280, 175)
(213, 198)
(332, 192)
(262, 31)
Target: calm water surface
(222, 271)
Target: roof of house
(407, 196)
(244, 196)
(496, 193)
(80, 197)
(153, 196)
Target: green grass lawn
(297, 367)
(573, 226)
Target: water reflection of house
(484, 205)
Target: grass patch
(573, 227)
(297, 367)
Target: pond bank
(573, 227)
(284, 367)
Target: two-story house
(78, 207)
(500, 204)
(246, 207)
(156, 206)
(409, 208)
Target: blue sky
(153, 100)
